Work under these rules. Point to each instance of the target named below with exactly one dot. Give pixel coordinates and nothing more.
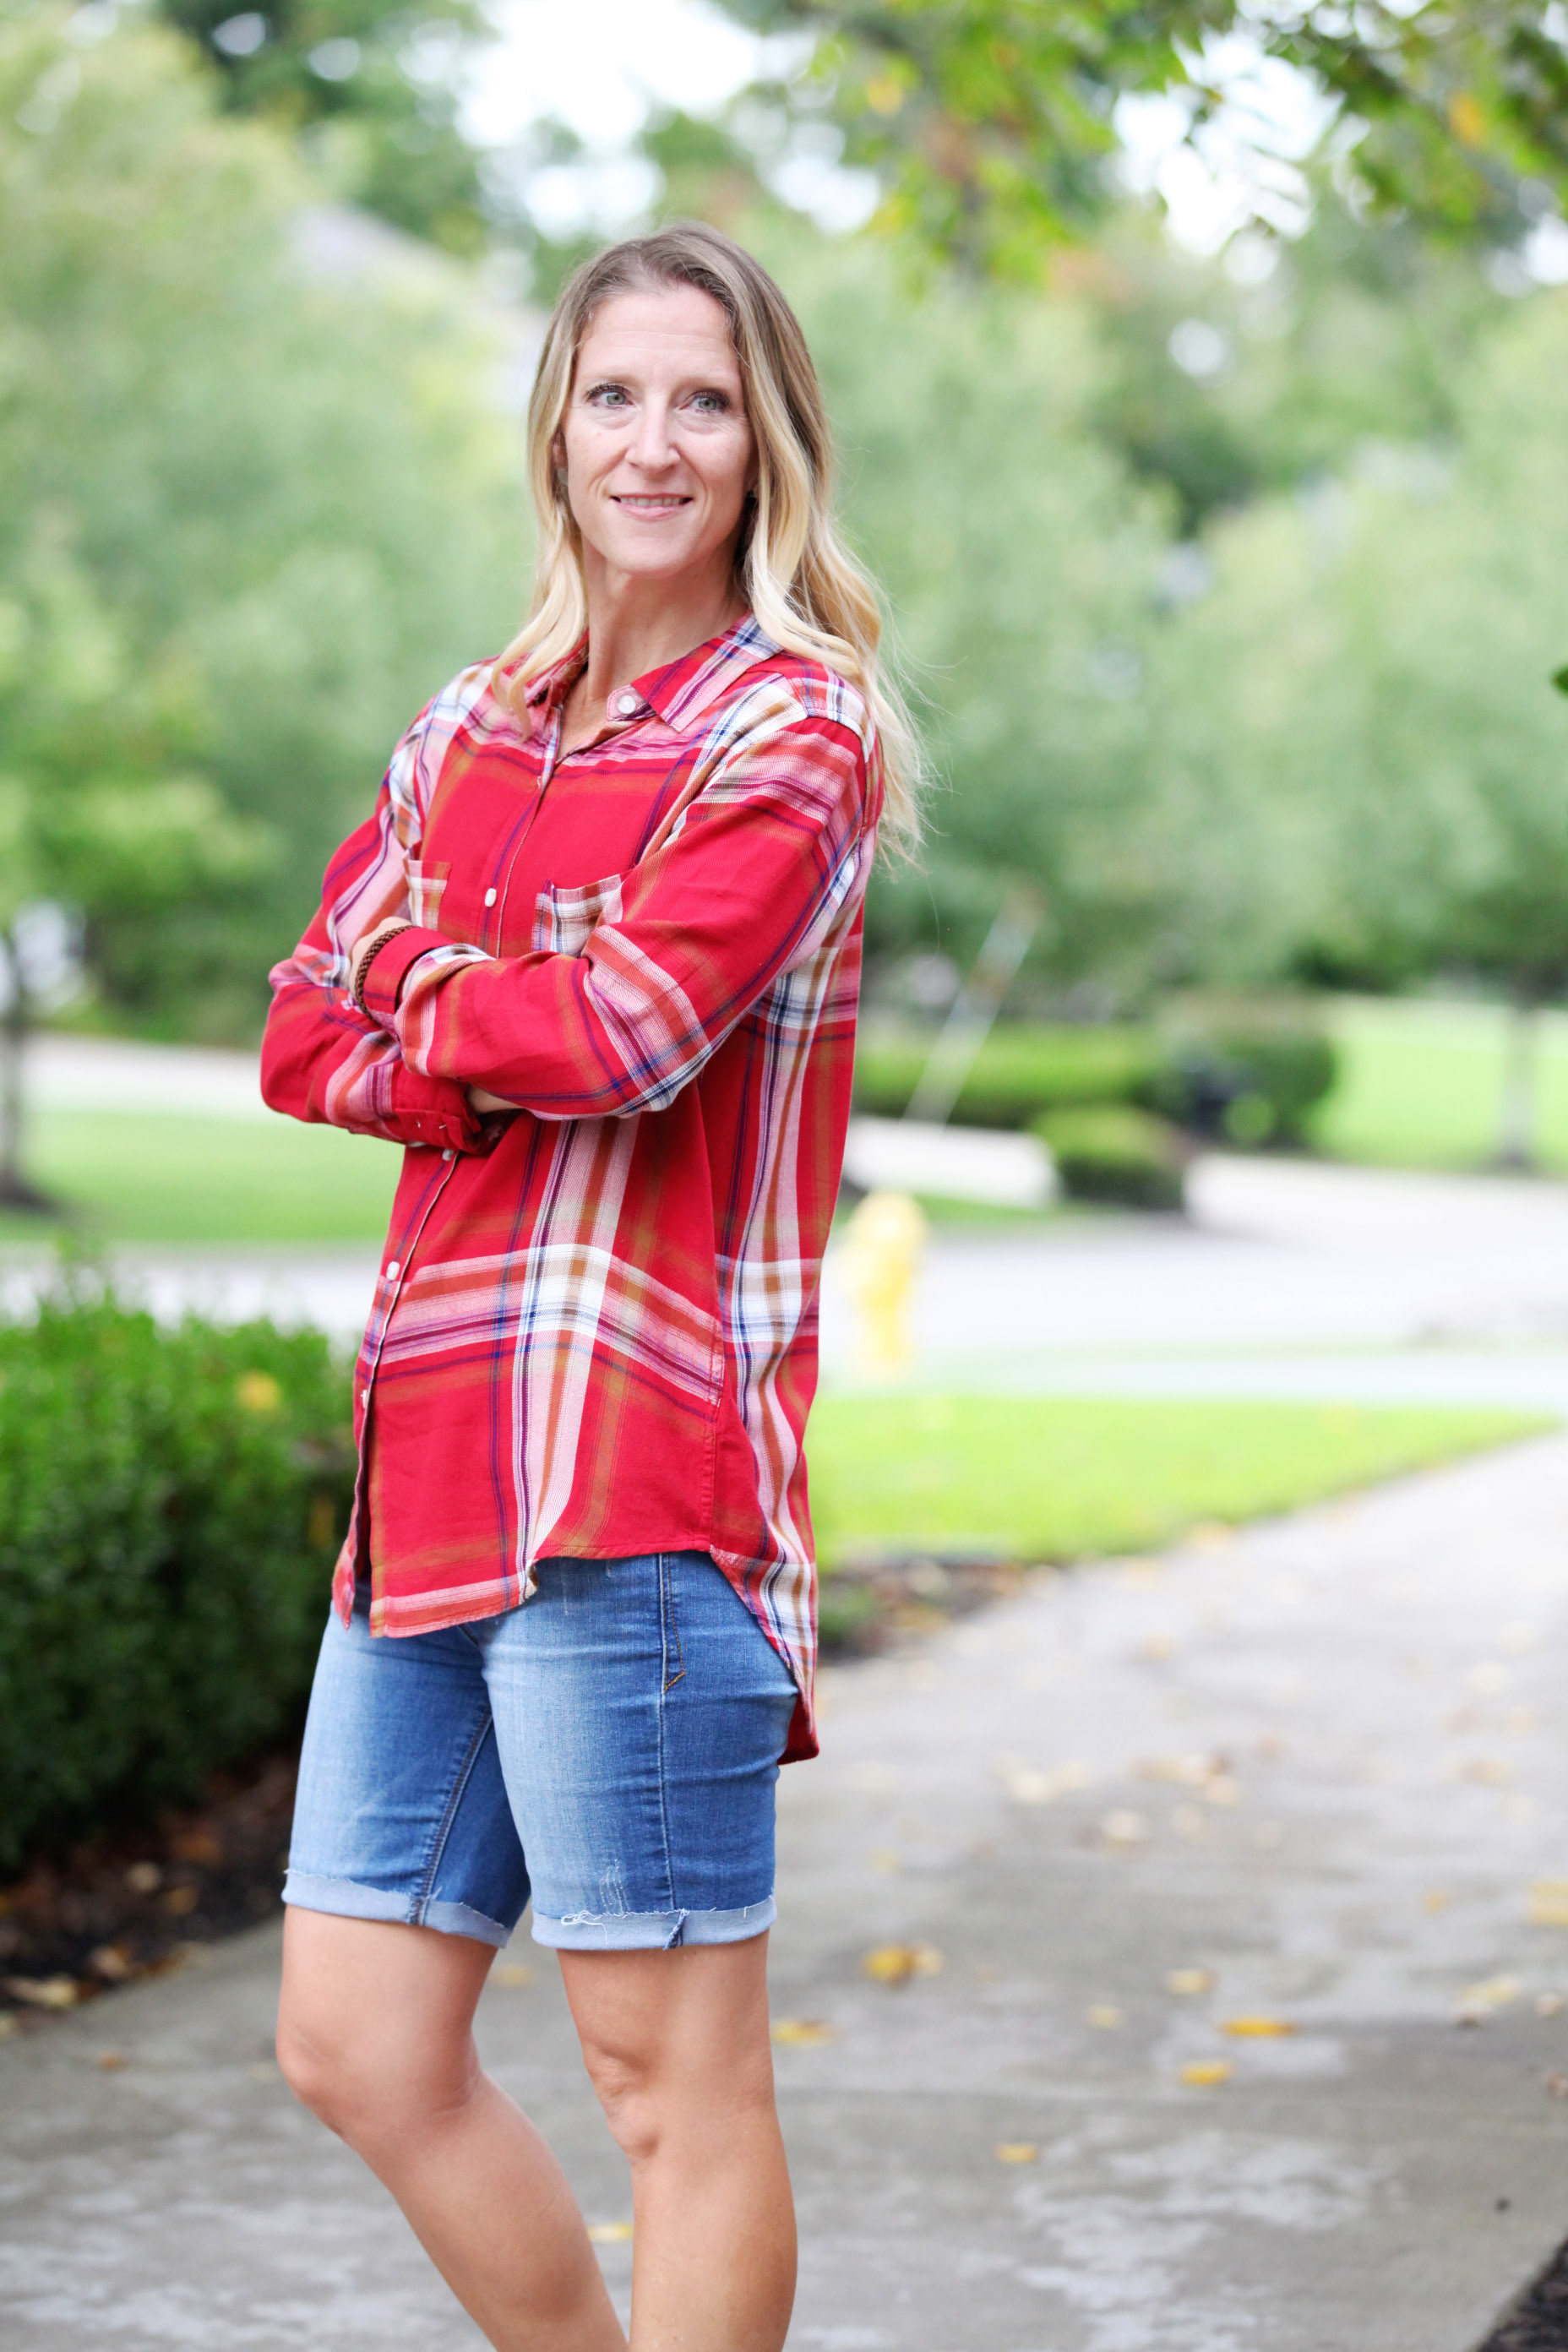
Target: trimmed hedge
(1109, 1151)
(171, 1503)
(1250, 1085)
(1023, 1068)
(1248, 1082)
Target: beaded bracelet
(379, 939)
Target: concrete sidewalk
(1322, 1762)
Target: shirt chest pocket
(564, 917)
(427, 889)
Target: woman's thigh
(640, 1712)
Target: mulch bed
(1539, 2321)
(869, 1606)
(131, 1904)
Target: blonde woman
(594, 960)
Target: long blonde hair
(806, 589)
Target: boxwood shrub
(171, 1500)
(1111, 1151)
(1245, 1083)
(1023, 1067)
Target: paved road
(1324, 1760)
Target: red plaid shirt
(594, 1333)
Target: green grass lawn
(156, 1178)
(1421, 1083)
(1036, 1478)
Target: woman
(595, 961)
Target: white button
(392, 1271)
(626, 702)
(445, 1155)
(364, 1396)
(489, 898)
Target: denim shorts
(610, 1747)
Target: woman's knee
(373, 2026)
(368, 2079)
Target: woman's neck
(635, 625)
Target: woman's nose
(650, 442)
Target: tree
(992, 120)
(248, 519)
(372, 88)
(1366, 690)
(1023, 570)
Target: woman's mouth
(662, 503)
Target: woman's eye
(607, 396)
(709, 403)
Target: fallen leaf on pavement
(1028, 1786)
(1436, 1901)
(1256, 2029)
(1479, 2002)
(1191, 1771)
(1557, 2086)
(801, 2032)
(110, 2062)
(1548, 1903)
(45, 1992)
(1186, 1980)
(896, 1963)
(609, 2233)
(1018, 2151)
(1105, 2016)
(515, 1975)
(1206, 2073)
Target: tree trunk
(15, 1192)
(1515, 1126)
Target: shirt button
(489, 898)
(392, 1271)
(364, 1396)
(445, 1155)
(626, 702)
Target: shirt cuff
(435, 1111)
(389, 968)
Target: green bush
(171, 1501)
(1111, 1151)
(1250, 1084)
(1022, 1068)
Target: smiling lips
(655, 502)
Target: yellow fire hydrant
(880, 1255)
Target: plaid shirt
(594, 1332)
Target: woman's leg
(677, 2045)
(374, 2035)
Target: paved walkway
(1321, 1764)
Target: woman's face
(656, 446)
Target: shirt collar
(679, 692)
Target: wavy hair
(805, 589)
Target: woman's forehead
(662, 327)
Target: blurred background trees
(250, 516)
(1229, 581)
